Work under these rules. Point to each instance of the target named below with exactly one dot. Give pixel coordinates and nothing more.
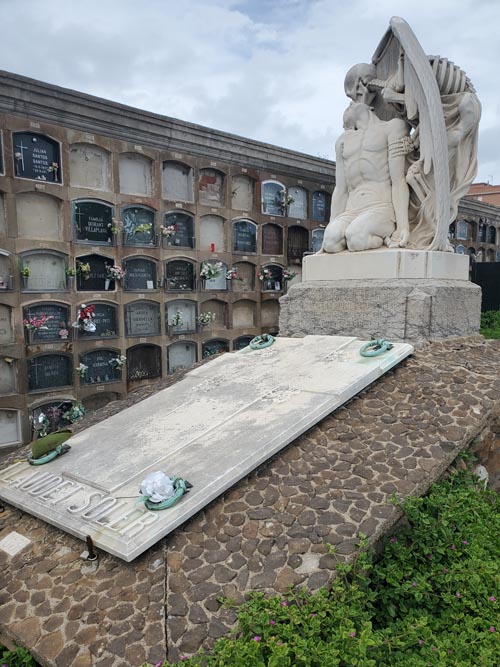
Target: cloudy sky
(271, 70)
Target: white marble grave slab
(212, 428)
(14, 543)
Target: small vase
(70, 282)
(106, 283)
(25, 281)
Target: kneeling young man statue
(370, 201)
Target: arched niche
(49, 371)
(178, 229)
(90, 167)
(491, 235)
(452, 231)
(38, 216)
(179, 275)
(242, 192)
(490, 255)
(141, 274)
(99, 369)
(135, 174)
(180, 316)
(481, 233)
(272, 239)
(298, 207)
(480, 255)
(246, 272)
(320, 206)
(47, 270)
(96, 279)
(462, 229)
(241, 342)
(58, 324)
(3, 222)
(6, 328)
(142, 318)
(244, 236)
(53, 411)
(211, 187)
(243, 314)
(460, 249)
(317, 238)
(182, 354)
(5, 271)
(36, 157)
(219, 283)
(8, 384)
(212, 233)
(177, 181)
(214, 346)
(97, 401)
(269, 313)
(138, 226)
(93, 221)
(105, 320)
(219, 309)
(10, 427)
(273, 194)
(297, 243)
(271, 278)
(143, 362)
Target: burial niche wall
(211, 187)
(212, 233)
(298, 207)
(93, 222)
(180, 316)
(178, 182)
(246, 273)
(36, 157)
(90, 167)
(91, 275)
(242, 193)
(317, 239)
(47, 270)
(320, 206)
(244, 236)
(7, 376)
(5, 271)
(6, 328)
(214, 346)
(57, 327)
(272, 239)
(141, 274)
(49, 371)
(138, 226)
(10, 427)
(243, 314)
(273, 199)
(105, 320)
(219, 282)
(219, 309)
(297, 243)
(142, 318)
(181, 355)
(135, 174)
(178, 229)
(143, 362)
(180, 275)
(38, 216)
(99, 369)
(269, 313)
(271, 278)
(241, 342)
(96, 401)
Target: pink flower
(492, 629)
(279, 643)
(393, 539)
(420, 642)
(271, 622)
(160, 663)
(434, 648)
(464, 542)
(352, 633)
(312, 615)
(492, 598)
(414, 584)
(284, 603)
(257, 638)
(458, 595)
(453, 547)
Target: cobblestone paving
(269, 532)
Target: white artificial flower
(157, 487)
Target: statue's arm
(399, 144)
(339, 197)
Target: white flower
(157, 487)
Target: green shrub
(490, 324)
(18, 658)
(433, 598)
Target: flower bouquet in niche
(114, 272)
(204, 319)
(211, 270)
(83, 268)
(82, 369)
(288, 275)
(168, 232)
(34, 324)
(117, 363)
(85, 319)
(232, 274)
(76, 412)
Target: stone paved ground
(268, 532)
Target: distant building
(476, 231)
(489, 194)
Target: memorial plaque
(99, 369)
(96, 279)
(215, 346)
(242, 342)
(180, 275)
(272, 240)
(184, 224)
(181, 355)
(47, 271)
(271, 198)
(262, 401)
(141, 274)
(187, 310)
(93, 222)
(319, 202)
(59, 321)
(104, 320)
(143, 361)
(297, 208)
(6, 333)
(14, 543)
(244, 236)
(36, 157)
(48, 371)
(142, 319)
(138, 226)
(7, 375)
(317, 239)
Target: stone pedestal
(411, 296)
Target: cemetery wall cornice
(474, 207)
(34, 99)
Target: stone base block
(384, 264)
(410, 310)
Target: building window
(481, 233)
(492, 235)
(36, 157)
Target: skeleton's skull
(356, 83)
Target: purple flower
(414, 584)
(160, 663)
(271, 622)
(352, 633)
(313, 615)
(458, 595)
(434, 648)
(284, 603)
(279, 643)
(445, 570)
(464, 542)
(420, 642)
(453, 547)
(257, 638)
(492, 629)
(393, 539)
(492, 598)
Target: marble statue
(408, 152)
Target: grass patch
(490, 324)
